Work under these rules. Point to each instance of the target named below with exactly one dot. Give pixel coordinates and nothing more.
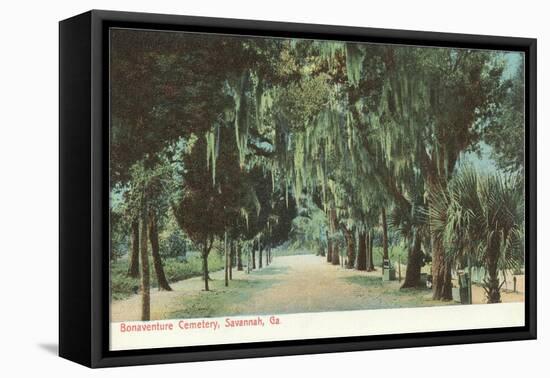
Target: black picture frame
(84, 191)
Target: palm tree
(409, 221)
(481, 217)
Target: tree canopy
(320, 141)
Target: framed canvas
(234, 188)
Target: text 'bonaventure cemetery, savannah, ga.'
(258, 176)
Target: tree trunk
(329, 249)
(248, 255)
(333, 225)
(231, 259)
(260, 258)
(205, 265)
(384, 235)
(441, 268)
(157, 261)
(492, 285)
(335, 254)
(441, 273)
(239, 257)
(350, 263)
(253, 257)
(370, 257)
(145, 278)
(414, 263)
(133, 269)
(362, 254)
(226, 250)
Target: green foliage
(396, 253)
(200, 209)
(354, 63)
(174, 245)
(300, 102)
(481, 217)
(176, 270)
(122, 286)
(309, 229)
(507, 135)
(120, 242)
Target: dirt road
(291, 284)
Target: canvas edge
(99, 356)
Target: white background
(29, 185)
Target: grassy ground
(221, 300)
(390, 294)
(123, 286)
